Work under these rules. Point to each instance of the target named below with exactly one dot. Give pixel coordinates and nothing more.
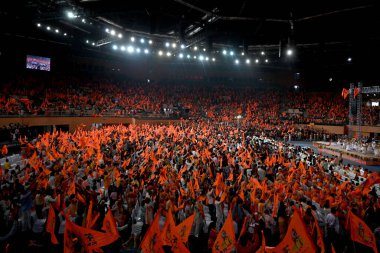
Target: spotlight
(188, 56)
(248, 61)
(224, 52)
(160, 53)
(296, 87)
(236, 61)
(83, 20)
(168, 54)
(146, 51)
(167, 44)
(195, 48)
(142, 40)
(204, 49)
(207, 59)
(242, 53)
(114, 47)
(349, 59)
(133, 39)
(182, 46)
(107, 30)
(112, 32)
(138, 50)
(266, 60)
(195, 57)
(201, 57)
(48, 28)
(56, 30)
(180, 55)
(65, 34)
(213, 59)
(130, 49)
(93, 43)
(257, 60)
(231, 53)
(150, 42)
(330, 79)
(174, 45)
(88, 41)
(71, 14)
(120, 35)
(262, 53)
(38, 25)
(289, 52)
(122, 48)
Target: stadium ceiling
(245, 25)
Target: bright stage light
(48, 28)
(122, 48)
(262, 53)
(349, 59)
(296, 87)
(289, 52)
(188, 56)
(248, 61)
(114, 47)
(195, 48)
(213, 59)
(93, 43)
(330, 79)
(56, 30)
(266, 60)
(167, 44)
(138, 50)
(224, 52)
(231, 53)
(83, 20)
(174, 45)
(88, 41)
(146, 51)
(195, 57)
(236, 61)
(120, 35)
(107, 30)
(113, 32)
(38, 25)
(180, 55)
(160, 53)
(182, 46)
(204, 49)
(130, 49)
(150, 42)
(168, 54)
(71, 14)
(201, 57)
(65, 34)
(257, 60)
(133, 39)
(207, 58)
(142, 40)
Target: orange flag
(90, 239)
(275, 205)
(184, 228)
(320, 242)
(168, 229)
(231, 177)
(225, 241)
(360, 232)
(263, 244)
(297, 239)
(4, 150)
(109, 224)
(71, 189)
(50, 225)
(152, 241)
(356, 92)
(345, 93)
(89, 214)
(373, 178)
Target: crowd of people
(78, 97)
(197, 186)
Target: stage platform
(354, 156)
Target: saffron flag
(360, 232)
(184, 228)
(109, 224)
(225, 241)
(89, 215)
(4, 150)
(168, 229)
(50, 225)
(90, 239)
(297, 239)
(152, 242)
(71, 189)
(345, 93)
(356, 92)
(373, 178)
